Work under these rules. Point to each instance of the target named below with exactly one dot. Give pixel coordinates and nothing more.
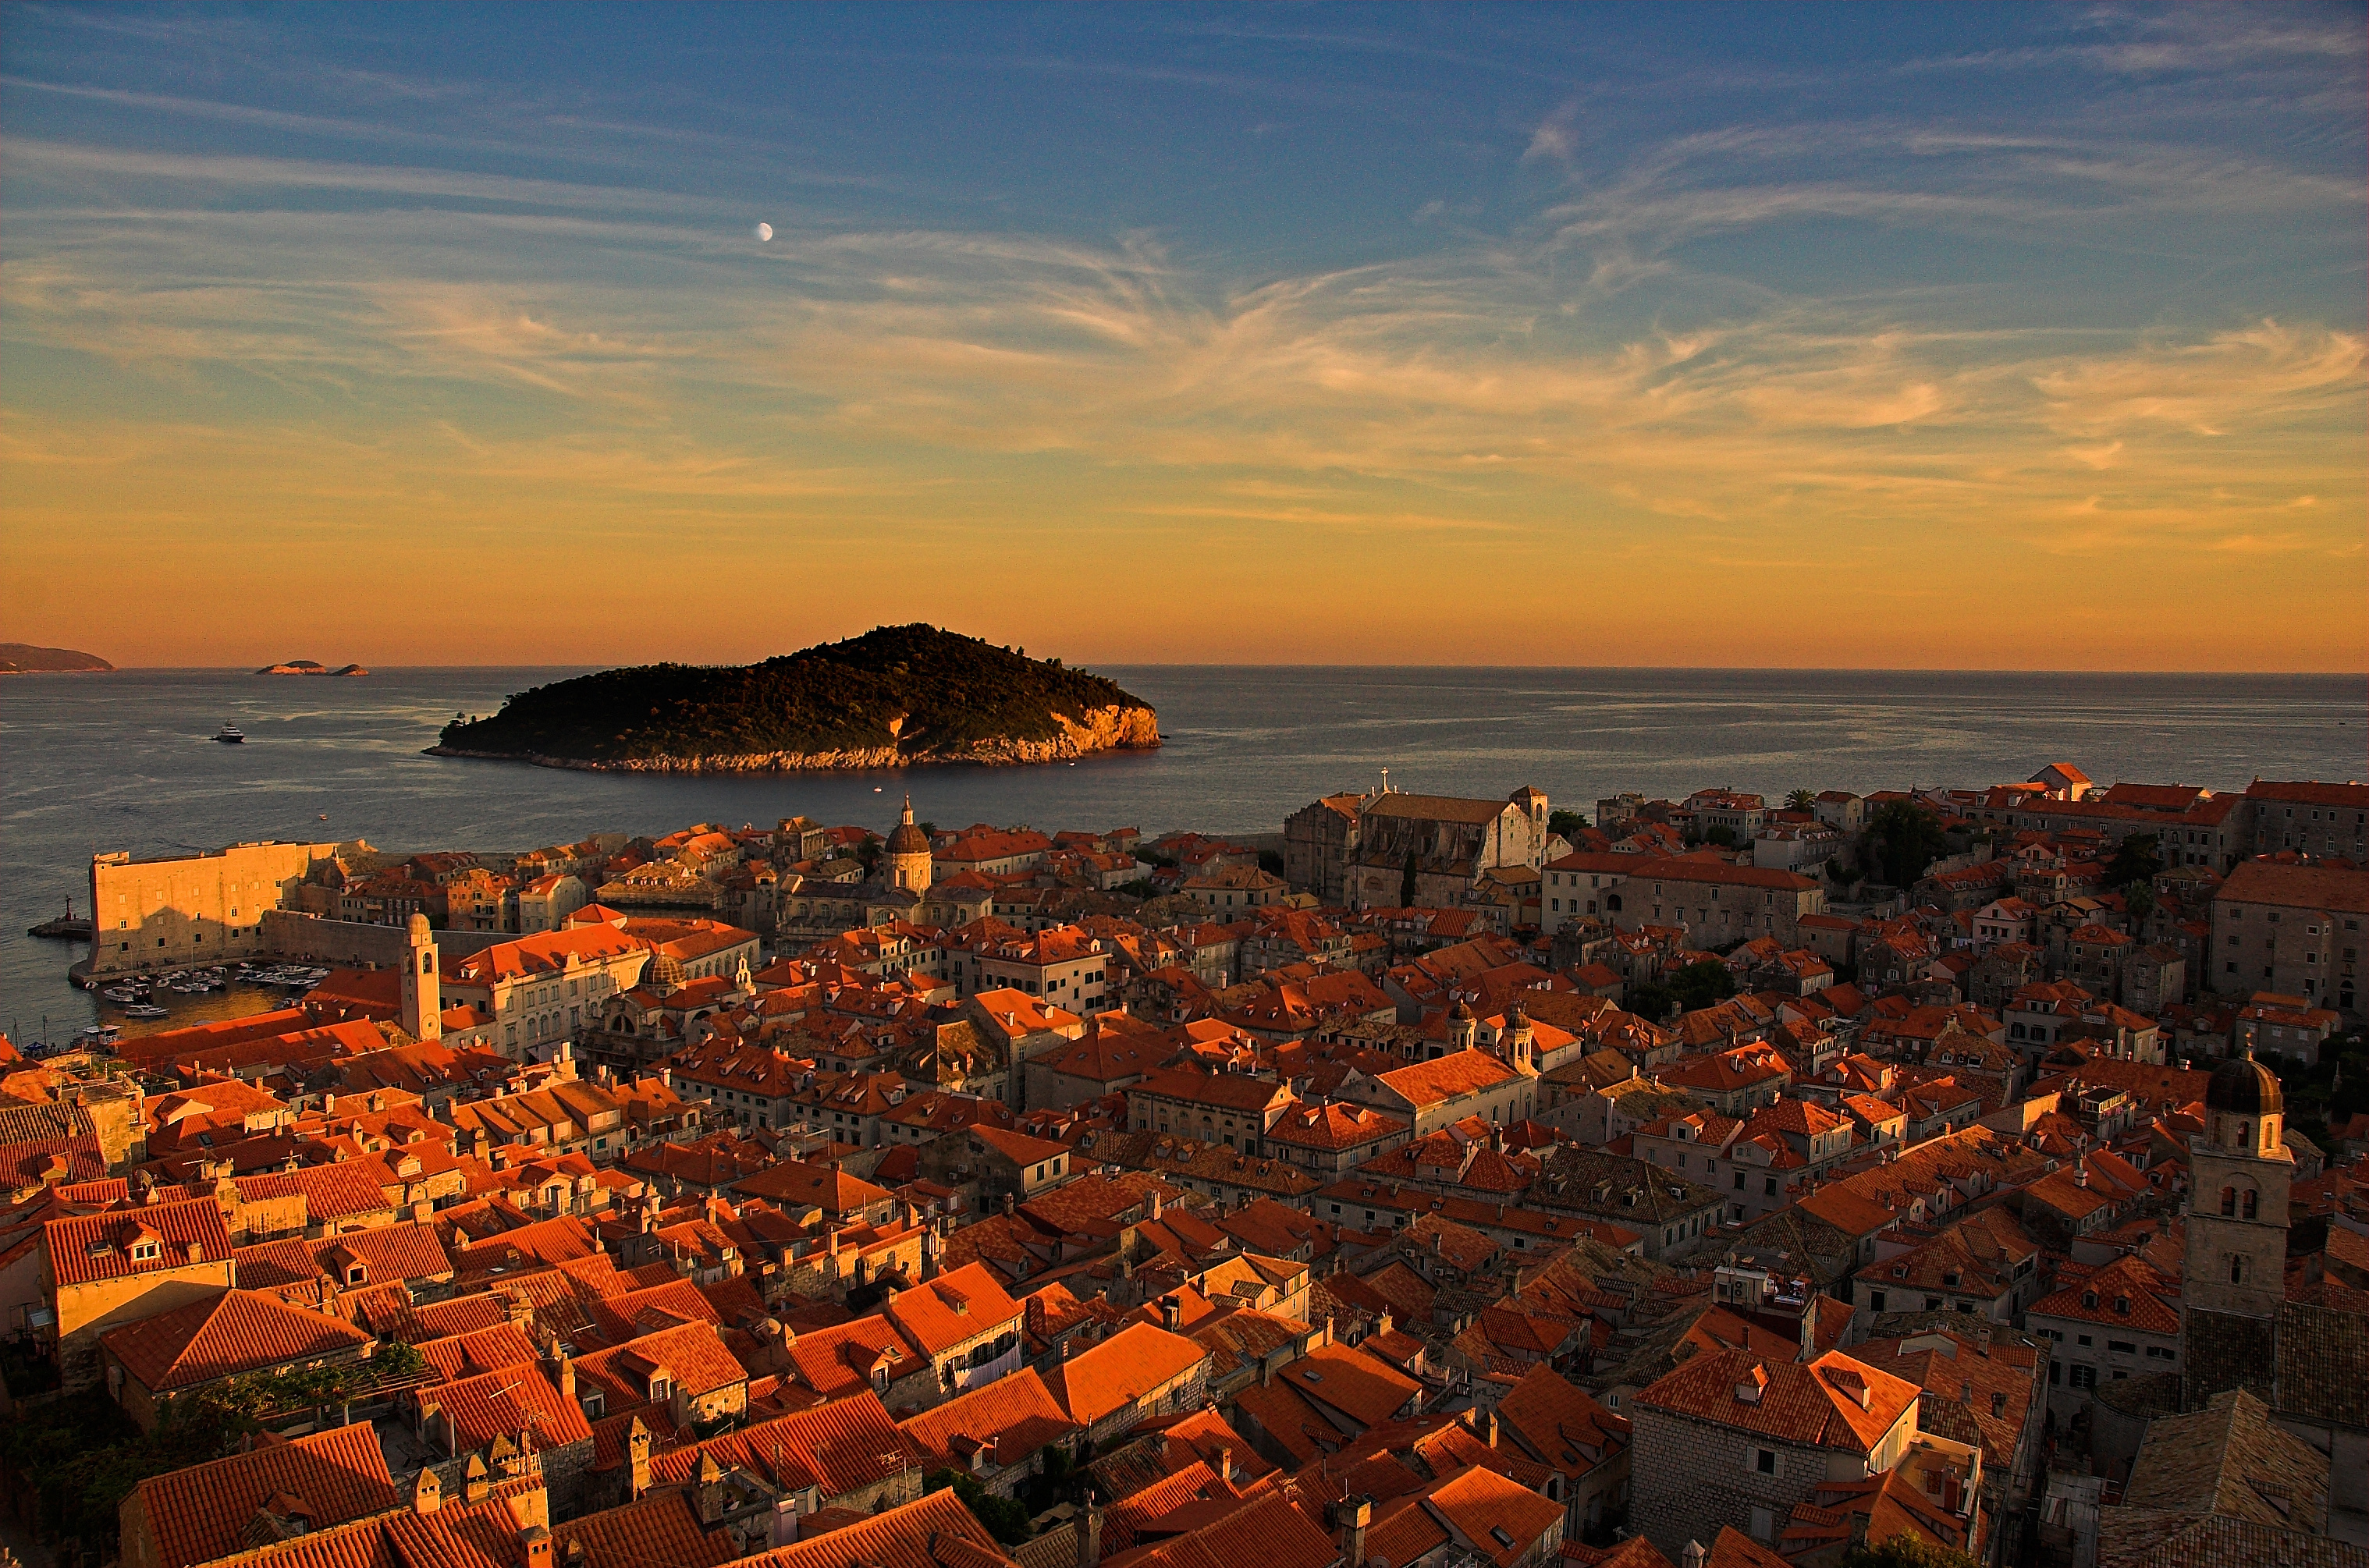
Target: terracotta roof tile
(1120, 1370)
(201, 1513)
(235, 1332)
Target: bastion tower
(909, 854)
(2234, 1275)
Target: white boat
(142, 1010)
(118, 993)
(230, 735)
(102, 1032)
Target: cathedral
(902, 887)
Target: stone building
(2295, 930)
(123, 1265)
(1136, 1374)
(1318, 841)
(1728, 1438)
(205, 909)
(1446, 843)
(1716, 902)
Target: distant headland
(893, 697)
(309, 667)
(24, 659)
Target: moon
(764, 231)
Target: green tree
(1406, 884)
(1902, 838)
(1006, 1519)
(1905, 1551)
(1270, 861)
(1652, 1000)
(2137, 861)
(1801, 800)
(1701, 983)
(1564, 824)
(1722, 835)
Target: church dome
(905, 838)
(2244, 1086)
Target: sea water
(123, 761)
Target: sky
(1861, 336)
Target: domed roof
(905, 838)
(1460, 1011)
(2243, 1086)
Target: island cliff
(893, 697)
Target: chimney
(427, 1492)
(1225, 1464)
(474, 1481)
(1172, 1313)
(534, 1544)
(1090, 1535)
(707, 1491)
(1351, 1516)
(1489, 1427)
(566, 1378)
(637, 1453)
(1693, 1556)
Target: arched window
(1613, 904)
(2228, 1200)
(2242, 1130)
(2251, 1198)
(2236, 1268)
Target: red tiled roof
(1013, 1416)
(1813, 1405)
(222, 1337)
(201, 1513)
(1120, 1370)
(952, 1309)
(99, 1246)
(659, 1531)
(933, 1531)
(2127, 1280)
(486, 1350)
(502, 1403)
(692, 1356)
(840, 1447)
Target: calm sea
(122, 761)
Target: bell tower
(2234, 1272)
(422, 1014)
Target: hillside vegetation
(24, 659)
(897, 692)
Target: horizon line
(1184, 664)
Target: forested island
(24, 659)
(895, 697)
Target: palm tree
(1801, 800)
